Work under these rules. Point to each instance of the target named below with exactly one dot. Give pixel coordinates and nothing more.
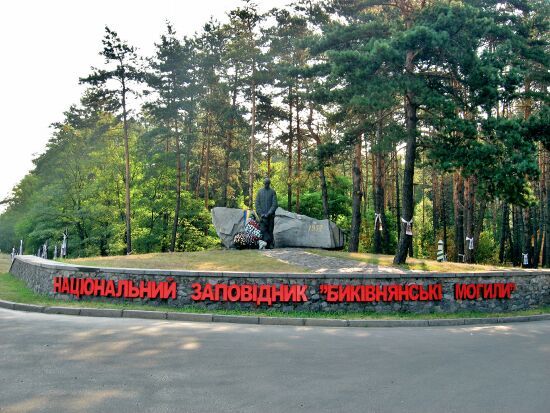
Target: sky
(45, 46)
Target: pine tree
(123, 67)
(173, 82)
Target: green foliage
(487, 248)
(367, 236)
(538, 127)
(339, 201)
(496, 150)
(192, 238)
(425, 245)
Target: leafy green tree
(245, 20)
(123, 68)
(173, 81)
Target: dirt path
(321, 264)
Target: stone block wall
(532, 288)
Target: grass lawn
(412, 263)
(217, 260)
(5, 262)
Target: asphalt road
(55, 363)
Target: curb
(262, 320)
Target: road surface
(56, 363)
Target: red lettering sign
(283, 293)
(485, 291)
(250, 293)
(377, 293)
(107, 288)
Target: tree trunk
(201, 166)
(505, 229)
(320, 164)
(356, 199)
(538, 233)
(289, 149)
(478, 224)
(252, 143)
(228, 144)
(225, 175)
(458, 200)
(397, 201)
(405, 241)
(373, 173)
(436, 202)
(178, 190)
(298, 159)
(269, 149)
(188, 147)
(526, 238)
(517, 231)
(469, 223)
(444, 212)
(381, 232)
(324, 192)
(390, 188)
(207, 173)
(538, 229)
(546, 254)
(127, 171)
(366, 184)
(187, 174)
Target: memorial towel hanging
(378, 217)
(408, 230)
(64, 246)
(470, 243)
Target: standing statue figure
(266, 204)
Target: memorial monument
(266, 205)
(289, 229)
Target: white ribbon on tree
(408, 230)
(64, 246)
(525, 258)
(470, 243)
(378, 217)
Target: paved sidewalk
(322, 264)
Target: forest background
(369, 113)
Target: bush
(487, 249)
(191, 238)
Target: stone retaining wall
(531, 290)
